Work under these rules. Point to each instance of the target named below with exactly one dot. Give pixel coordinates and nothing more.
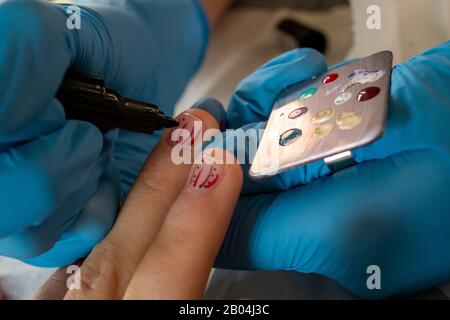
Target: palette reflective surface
(336, 112)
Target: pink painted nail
(187, 132)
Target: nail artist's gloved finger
(29, 75)
(215, 108)
(108, 269)
(254, 96)
(115, 41)
(177, 264)
(33, 187)
(36, 55)
(88, 228)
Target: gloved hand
(61, 181)
(391, 210)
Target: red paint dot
(368, 93)
(330, 78)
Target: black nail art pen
(88, 99)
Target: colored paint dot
(330, 78)
(323, 131)
(289, 137)
(298, 112)
(307, 93)
(368, 93)
(323, 116)
(343, 98)
(348, 120)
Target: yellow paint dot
(323, 131)
(323, 116)
(348, 120)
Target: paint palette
(325, 116)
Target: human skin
(56, 287)
(168, 233)
(215, 9)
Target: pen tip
(171, 123)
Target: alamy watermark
(374, 280)
(74, 280)
(240, 144)
(374, 19)
(73, 22)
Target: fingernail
(215, 108)
(207, 174)
(189, 129)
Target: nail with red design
(207, 174)
(187, 132)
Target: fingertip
(255, 96)
(208, 120)
(215, 169)
(310, 63)
(197, 114)
(295, 55)
(196, 126)
(296, 66)
(214, 108)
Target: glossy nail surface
(187, 132)
(207, 174)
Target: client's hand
(170, 229)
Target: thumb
(255, 95)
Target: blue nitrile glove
(61, 181)
(392, 210)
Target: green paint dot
(308, 93)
